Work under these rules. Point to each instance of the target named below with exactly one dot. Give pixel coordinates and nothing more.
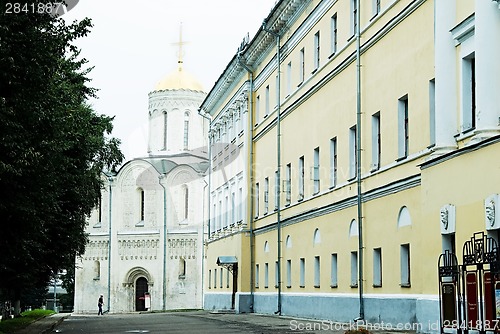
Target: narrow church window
(142, 197)
(186, 131)
(165, 131)
(182, 268)
(97, 270)
(100, 209)
(186, 200)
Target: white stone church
(145, 248)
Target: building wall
(422, 148)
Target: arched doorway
(141, 287)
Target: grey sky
(131, 47)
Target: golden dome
(179, 79)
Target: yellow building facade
(365, 129)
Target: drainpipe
(110, 180)
(251, 172)
(203, 114)
(358, 159)
(164, 281)
(278, 157)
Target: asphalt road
(193, 322)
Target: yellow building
(366, 129)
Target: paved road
(193, 322)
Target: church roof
(165, 163)
(179, 79)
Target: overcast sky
(132, 47)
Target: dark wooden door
(141, 287)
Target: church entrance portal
(141, 288)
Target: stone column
(446, 77)
(487, 54)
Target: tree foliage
(53, 148)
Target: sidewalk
(44, 325)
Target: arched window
(404, 218)
(353, 228)
(186, 131)
(141, 207)
(317, 237)
(288, 242)
(266, 247)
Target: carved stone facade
(146, 237)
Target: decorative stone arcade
(469, 294)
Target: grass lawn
(12, 325)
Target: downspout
(358, 160)
(250, 213)
(203, 114)
(110, 180)
(164, 281)
(278, 157)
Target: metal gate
(469, 294)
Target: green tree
(53, 148)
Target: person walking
(100, 302)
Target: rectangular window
(256, 275)
(405, 265)
(256, 204)
(376, 143)
(301, 178)
(215, 278)
(277, 91)
(233, 208)
(266, 195)
(333, 162)
(302, 272)
(210, 279)
(432, 111)
(289, 79)
(221, 277)
(219, 217)
(288, 184)
(227, 278)
(267, 106)
(403, 127)
(266, 275)
(240, 204)
(302, 65)
(316, 50)
(377, 267)
(334, 273)
(317, 272)
(353, 153)
(257, 109)
(276, 190)
(315, 175)
(288, 273)
(354, 269)
(276, 274)
(226, 215)
(468, 94)
(334, 36)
